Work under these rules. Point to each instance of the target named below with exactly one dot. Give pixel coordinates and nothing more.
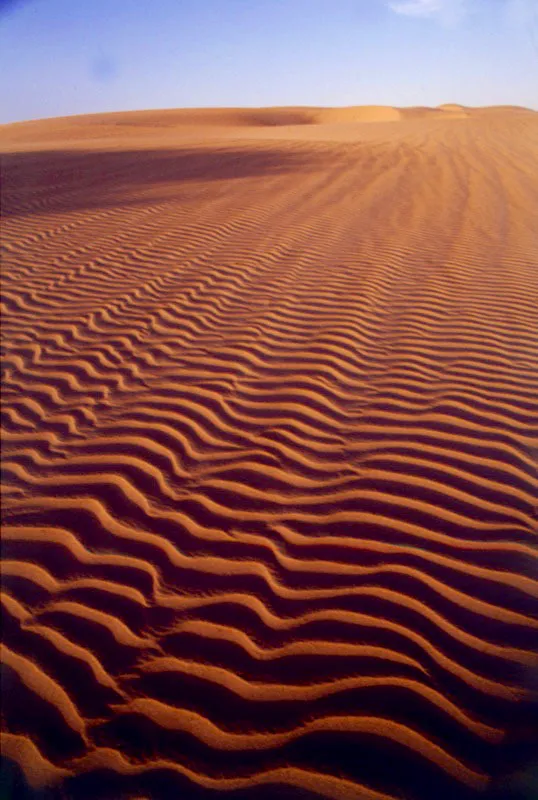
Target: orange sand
(270, 388)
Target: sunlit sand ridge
(270, 390)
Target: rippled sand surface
(270, 393)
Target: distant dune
(452, 107)
(357, 114)
(200, 124)
(270, 391)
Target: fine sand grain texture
(269, 413)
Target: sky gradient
(62, 57)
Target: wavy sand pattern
(270, 394)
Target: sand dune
(269, 406)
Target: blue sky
(60, 57)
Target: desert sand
(270, 392)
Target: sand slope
(269, 407)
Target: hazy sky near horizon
(61, 57)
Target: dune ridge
(269, 452)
